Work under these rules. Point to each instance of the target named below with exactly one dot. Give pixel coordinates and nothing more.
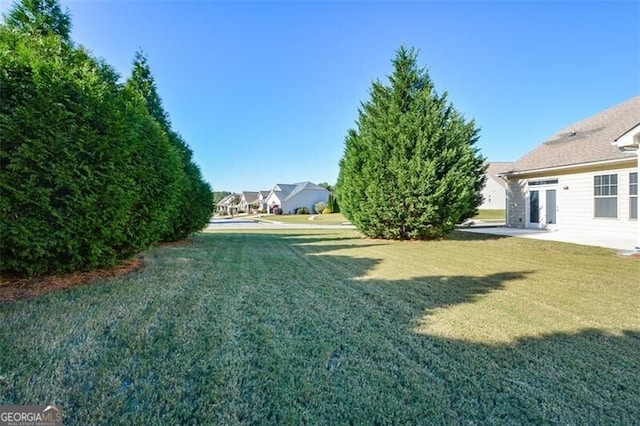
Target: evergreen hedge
(88, 176)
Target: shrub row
(88, 176)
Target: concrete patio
(626, 243)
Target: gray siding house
(583, 179)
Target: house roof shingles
(495, 168)
(250, 196)
(288, 191)
(586, 141)
(227, 200)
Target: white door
(542, 208)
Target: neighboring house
(495, 190)
(228, 204)
(583, 179)
(262, 201)
(289, 197)
(248, 202)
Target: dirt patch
(18, 288)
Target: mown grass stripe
(328, 327)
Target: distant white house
(262, 201)
(289, 197)
(248, 201)
(228, 204)
(583, 179)
(495, 190)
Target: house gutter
(513, 173)
(637, 152)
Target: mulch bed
(14, 288)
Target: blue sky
(264, 92)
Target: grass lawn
(326, 327)
(490, 215)
(322, 219)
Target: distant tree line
(91, 170)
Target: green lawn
(326, 327)
(490, 215)
(321, 219)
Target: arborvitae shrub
(411, 169)
(86, 174)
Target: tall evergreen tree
(142, 80)
(195, 203)
(87, 175)
(411, 169)
(77, 186)
(40, 18)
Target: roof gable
(629, 139)
(250, 196)
(586, 141)
(496, 168)
(227, 200)
(304, 186)
(283, 189)
(288, 191)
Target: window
(542, 182)
(633, 195)
(605, 193)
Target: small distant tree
(219, 195)
(326, 186)
(333, 204)
(410, 169)
(320, 206)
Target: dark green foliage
(333, 203)
(411, 169)
(88, 175)
(40, 18)
(55, 158)
(142, 81)
(302, 210)
(195, 200)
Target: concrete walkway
(591, 239)
(626, 243)
(229, 224)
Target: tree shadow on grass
(378, 369)
(306, 337)
(573, 378)
(457, 235)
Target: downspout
(507, 223)
(637, 151)
(503, 176)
